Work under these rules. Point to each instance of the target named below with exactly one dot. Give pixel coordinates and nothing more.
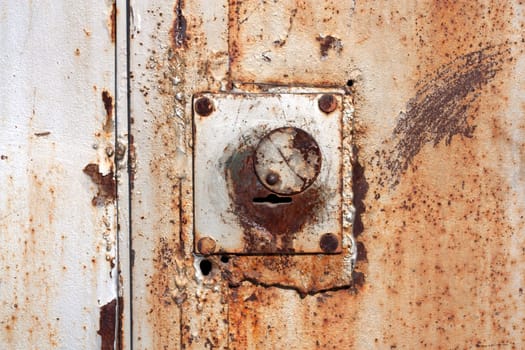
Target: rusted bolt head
(206, 245)
(272, 178)
(329, 243)
(204, 106)
(327, 103)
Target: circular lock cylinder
(287, 160)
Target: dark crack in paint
(107, 99)
(107, 325)
(439, 109)
(180, 38)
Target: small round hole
(205, 266)
(225, 259)
(350, 83)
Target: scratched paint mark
(439, 109)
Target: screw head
(329, 242)
(206, 245)
(272, 178)
(327, 103)
(204, 106)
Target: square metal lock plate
(267, 173)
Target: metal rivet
(204, 106)
(327, 103)
(272, 178)
(206, 245)
(329, 243)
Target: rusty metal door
(430, 99)
(263, 174)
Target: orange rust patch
(107, 186)
(164, 297)
(306, 274)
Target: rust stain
(107, 99)
(305, 274)
(167, 291)
(108, 325)
(178, 31)
(440, 109)
(112, 22)
(281, 220)
(120, 323)
(327, 43)
(107, 186)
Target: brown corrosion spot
(359, 188)
(178, 31)
(439, 110)
(107, 99)
(107, 187)
(112, 22)
(281, 220)
(328, 43)
(107, 325)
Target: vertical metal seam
(129, 169)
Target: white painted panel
(58, 248)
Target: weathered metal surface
(437, 174)
(58, 275)
(238, 143)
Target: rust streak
(439, 109)
(112, 22)
(107, 325)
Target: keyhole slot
(272, 199)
